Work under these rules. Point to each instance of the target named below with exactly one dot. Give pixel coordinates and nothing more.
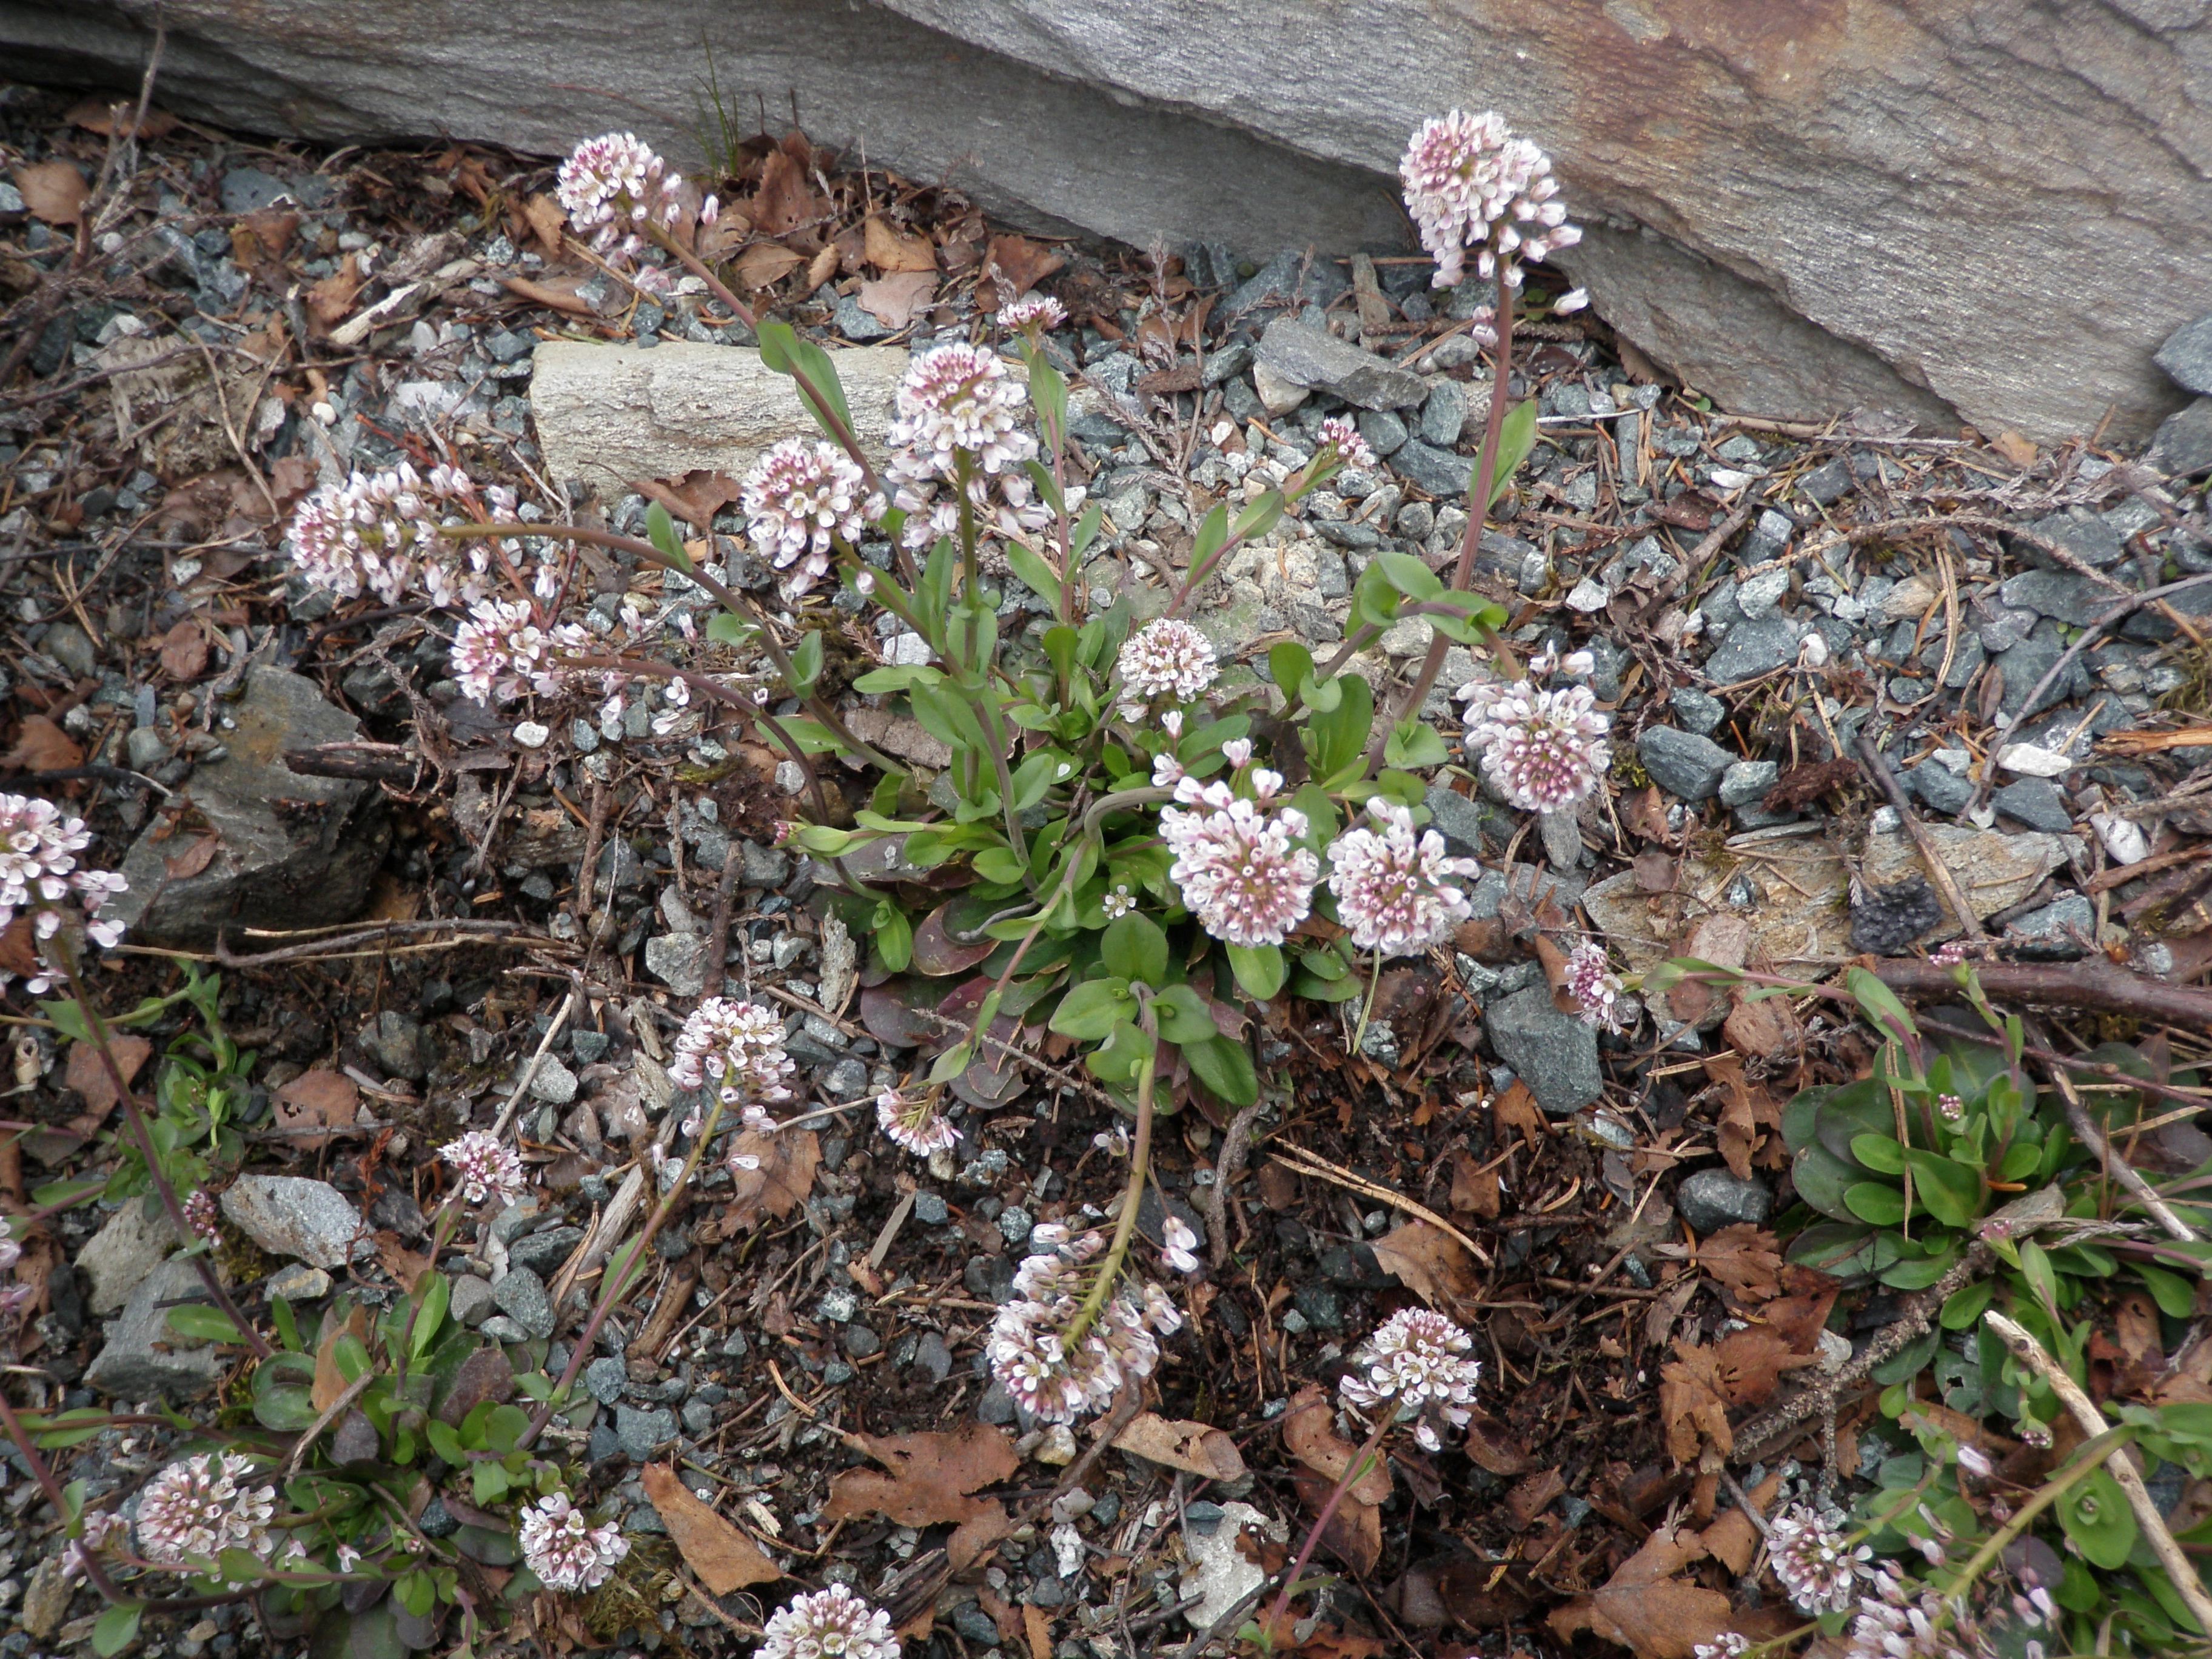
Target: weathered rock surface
(123, 1252)
(292, 851)
(142, 1356)
(311, 1221)
(1816, 210)
(608, 414)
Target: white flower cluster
(829, 1623)
(1028, 1348)
(1392, 886)
(1349, 444)
(499, 650)
(613, 187)
(737, 1049)
(1544, 750)
(960, 401)
(378, 531)
(1470, 183)
(40, 876)
(485, 1167)
(1415, 1365)
(800, 499)
(1595, 989)
(1894, 1623)
(196, 1508)
(1033, 313)
(916, 1122)
(1816, 1567)
(1236, 864)
(1163, 661)
(564, 1549)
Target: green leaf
(198, 1324)
(1336, 738)
(288, 1328)
(1408, 575)
(445, 1441)
(661, 530)
(728, 627)
(1093, 1008)
(1516, 436)
(488, 1482)
(1965, 1304)
(2175, 1295)
(350, 1355)
(432, 1296)
(1183, 1016)
(117, 1629)
(416, 1591)
(1085, 530)
(1000, 864)
(1260, 970)
(1946, 1188)
(806, 663)
(1413, 742)
(1134, 948)
(2035, 1267)
(67, 1194)
(1322, 695)
(1880, 1153)
(1869, 1200)
(1878, 1002)
(1290, 663)
(2098, 1522)
(783, 352)
(1304, 983)
(1118, 1057)
(1225, 1068)
(1212, 532)
(894, 940)
(239, 1566)
(1259, 518)
(1035, 574)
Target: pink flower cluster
(800, 499)
(1470, 183)
(1028, 1348)
(735, 1048)
(499, 650)
(1349, 444)
(1236, 864)
(564, 1549)
(1544, 750)
(1815, 1565)
(1415, 1366)
(831, 1623)
(958, 407)
(1895, 1623)
(1392, 886)
(1033, 315)
(613, 187)
(378, 531)
(40, 876)
(916, 1122)
(1595, 989)
(485, 1167)
(196, 1508)
(200, 1214)
(1163, 661)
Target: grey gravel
(521, 1296)
(604, 1380)
(1712, 1198)
(932, 1358)
(143, 1357)
(1682, 762)
(1700, 712)
(543, 1252)
(469, 1300)
(1383, 431)
(2066, 594)
(552, 1083)
(1944, 790)
(639, 1430)
(1746, 782)
(2061, 931)
(2186, 356)
(310, 1221)
(678, 961)
(1753, 647)
(931, 1210)
(1312, 357)
(1440, 473)
(2037, 803)
(2183, 448)
(996, 1406)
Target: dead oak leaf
(1644, 1608)
(43, 746)
(1196, 1447)
(1692, 1413)
(1354, 1533)
(313, 1104)
(1309, 1436)
(54, 191)
(1732, 1538)
(110, 116)
(783, 1177)
(1516, 1110)
(1020, 264)
(932, 1477)
(330, 299)
(1746, 1258)
(88, 1075)
(783, 203)
(185, 651)
(898, 300)
(765, 263)
(723, 1557)
(889, 250)
(182, 866)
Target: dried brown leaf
(932, 1478)
(330, 299)
(766, 263)
(1517, 1108)
(547, 218)
(1197, 1447)
(1473, 1188)
(110, 116)
(1020, 264)
(723, 1557)
(1036, 1624)
(890, 251)
(1430, 1262)
(1532, 1495)
(1354, 1533)
(786, 1175)
(1655, 870)
(1801, 786)
(2020, 451)
(1309, 1436)
(1732, 1538)
(88, 1075)
(330, 1384)
(185, 651)
(783, 203)
(896, 301)
(1491, 1445)
(195, 857)
(43, 746)
(1691, 1412)
(1747, 1258)
(315, 1102)
(1646, 1609)
(53, 191)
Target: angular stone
(310, 1221)
(1710, 1200)
(1305, 355)
(470, 1301)
(1439, 471)
(1554, 1054)
(1746, 782)
(542, 1253)
(2066, 594)
(521, 1297)
(2183, 449)
(2081, 533)
(2037, 803)
(130, 1245)
(299, 1283)
(133, 1367)
(2062, 931)
(1944, 790)
(678, 961)
(1682, 762)
(1751, 647)
(399, 1045)
(292, 851)
(642, 1429)
(2186, 356)
(608, 414)
(552, 1082)
(1382, 430)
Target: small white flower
(1416, 1364)
(199, 1508)
(1237, 751)
(1596, 990)
(1033, 314)
(1237, 867)
(486, 1169)
(1572, 301)
(563, 1548)
(1393, 887)
(1164, 659)
(1178, 1245)
(1350, 445)
(736, 1048)
(916, 1121)
(1118, 902)
(829, 1623)
(1817, 1569)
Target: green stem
(1125, 1228)
(1366, 1008)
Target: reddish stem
(1352, 1472)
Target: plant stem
(2088, 1459)
(1140, 1152)
(98, 1026)
(49, 1486)
(1478, 511)
(616, 1281)
(1353, 1471)
(1367, 1007)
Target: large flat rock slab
(1976, 209)
(611, 414)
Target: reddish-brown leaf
(1532, 1495)
(43, 746)
(766, 263)
(184, 651)
(110, 116)
(547, 218)
(1747, 1259)
(723, 1557)
(1691, 1412)
(898, 300)
(1310, 1436)
(195, 857)
(1517, 1108)
(313, 1104)
(1645, 1608)
(1020, 264)
(786, 1175)
(932, 1477)
(88, 1075)
(1473, 1188)
(890, 251)
(783, 203)
(1196, 1447)
(1430, 1262)
(1354, 1533)
(53, 191)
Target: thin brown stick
(2129, 1178)
(2122, 1465)
(2094, 983)
(1946, 883)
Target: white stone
(1757, 596)
(1277, 395)
(2032, 761)
(1220, 1573)
(531, 735)
(1590, 594)
(2124, 838)
(909, 650)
